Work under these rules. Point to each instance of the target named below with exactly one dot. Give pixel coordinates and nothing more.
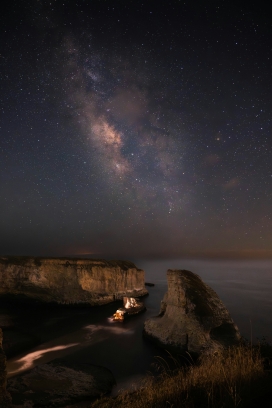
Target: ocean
(87, 334)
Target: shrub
(232, 378)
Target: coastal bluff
(70, 280)
(192, 317)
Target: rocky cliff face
(192, 317)
(5, 399)
(70, 281)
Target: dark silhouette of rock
(5, 398)
(192, 317)
(59, 383)
(69, 281)
(17, 341)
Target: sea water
(89, 336)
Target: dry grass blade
(226, 379)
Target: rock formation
(70, 281)
(59, 384)
(5, 399)
(192, 317)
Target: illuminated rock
(130, 302)
(192, 317)
(70, 281)
(5, 399)
(131, 307)
(119, 315)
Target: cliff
(5, 399)
(70, 281)
(192, 317)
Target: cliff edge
(70, 281)
(192, 317)
(5, 399)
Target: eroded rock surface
(58, 384)
(5, 399)
(192, 317)
(70, 281)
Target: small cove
(86, 335)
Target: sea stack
(192, 317)
(5, 398)
(69, 280)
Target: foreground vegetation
(237, 377)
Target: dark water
(87, 335)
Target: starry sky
(135, 128)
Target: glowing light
(28, 360)
(130, 302)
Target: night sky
(135, 129)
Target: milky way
(135, 130)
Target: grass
(236, 377)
